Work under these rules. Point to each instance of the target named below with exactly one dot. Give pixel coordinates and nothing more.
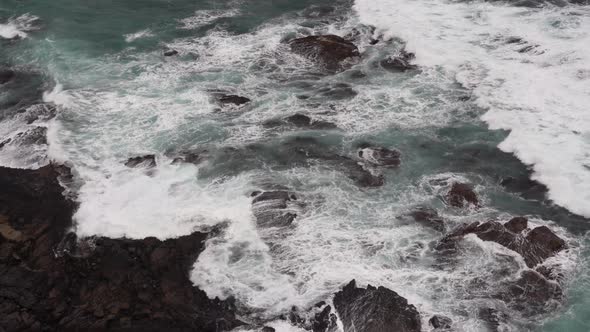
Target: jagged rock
(399, 63)
(462, 194)
(324, 321)
(300, 121)
(517, 224)
(192, 157)
(271, 208)
(535, 247)
(38, 112)
(6, 75)
(170, 52)
(375, 310)
(378, 156)
(35, 136)
(332, 52)
(428, 217)
(232, 100)
(119, 284)
(531, 294)
(147, 161)
(440, 322)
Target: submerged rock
(38, 112)
(49, 280)
(428, 217)
(271, 208)
(375, 310)
(300, 121)
(6, 75)
(147, 161)
(232, 100)
(531, 294)
(378, 156)
(332, 52)
(399, 63)
(462, 194)
(535, 246)
(170, 52)
(439, 322)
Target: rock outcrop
(330, 51)
(462, 195)
(147, 161)
(375, 310)
(51, 281)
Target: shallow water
(474, 101)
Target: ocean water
(501, 92)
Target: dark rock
(232, 100)
(38, 112)
(147, 161)
(324, 321)
(192, 157)
(527, 188)
(6, 75)
(538, 245)
(6, 141)
(300, 121)
(531, 294)
(35, 136)
(271, 208)
(337, 91)
(460, 194)
(375, 310)
(121, 284)
(170, 52)
(493, 318)
(428, 217)
(517, 224)
(267, 329)
(440, 322)
(332, 52)
(399, 63)
(378, 156)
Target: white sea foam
(204, 17)
(540, 95)
(17, 27)
(131, 37)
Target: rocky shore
(51, 281)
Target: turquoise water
(118, 96)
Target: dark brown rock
(6, 75)
(147, 161)
(462, 194)
(271, 208)
(330, 51)
(379, 156)
(439, 322)
(517, 224)
(54, 281)
(538, 245)
(399, 63)
(232, 100)
(531, 294)
(428, 217)
(375, 310)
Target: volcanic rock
(330, 51)
(462, 194)
(50, 280)
(440, 322)
(378, 156)
(375, 310)
(147, 161)
(517, 224)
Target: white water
(18, 27)
(541, 96)
(342, 233)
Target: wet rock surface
(273, 208)
(330, 51)
(147, 161)
(439, 322)
(399, 63)
(235, 100)
(428, 217)
(53, 282)
(535, 245)
(300, 121)
(375, 310)
(462, 195)
(379, 156)
(6, 75)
